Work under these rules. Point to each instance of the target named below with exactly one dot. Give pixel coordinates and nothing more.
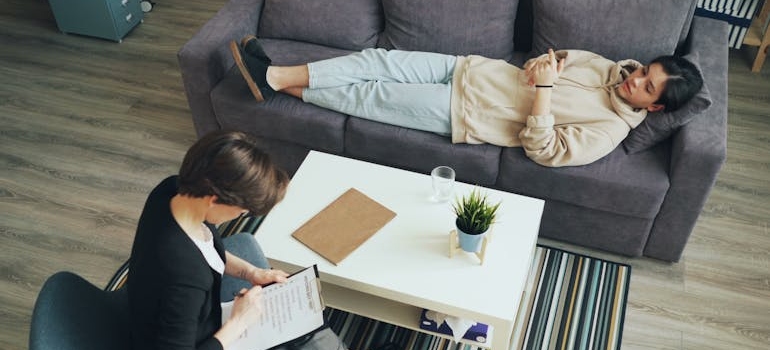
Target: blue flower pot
(470, 243)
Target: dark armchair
(72, 314)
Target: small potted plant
(474, 217)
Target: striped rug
(576, 302)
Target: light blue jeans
(405, 88)
(244, 246)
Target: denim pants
(405, 88)
(244, 246)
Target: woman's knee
(245, 246)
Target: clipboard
(300, 297)
(343, 225)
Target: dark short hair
(684, 81)
(229, 165)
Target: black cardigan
(173, 293)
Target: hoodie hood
(618, 74)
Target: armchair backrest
(71, 313)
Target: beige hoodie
(491, 103)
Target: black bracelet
(543, 86)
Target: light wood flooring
(88, 126)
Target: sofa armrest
(206, 57)
(698, 149)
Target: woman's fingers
(280, 276)
(248, 305)
(544, 70)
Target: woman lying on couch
(564, 108)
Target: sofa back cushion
(456, 27)
(344, 24)
(636, 29)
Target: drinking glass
(443, 178)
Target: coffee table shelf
(385, 310)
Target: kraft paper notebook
(343, 225)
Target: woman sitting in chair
(178, 260)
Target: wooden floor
(88, 126)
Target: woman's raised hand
(544, 70)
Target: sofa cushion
(629, 185)
(236, 108)
(282, 117)
(657, 127)
(617, 233)
(456, 27)
(289, 53)
(352, 25)
(420, 151)
(639, 29)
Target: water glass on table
(443, 178)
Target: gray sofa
(643, 199)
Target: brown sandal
(238, 56)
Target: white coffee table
(405, 266)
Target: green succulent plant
(474, 213)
